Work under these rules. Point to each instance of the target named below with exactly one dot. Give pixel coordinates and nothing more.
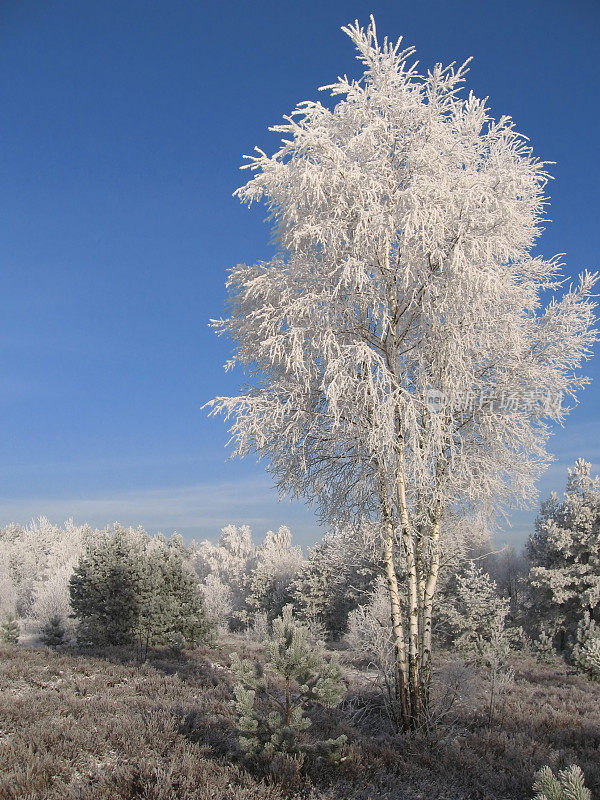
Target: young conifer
(271, 719)
(9, 631)
(53, 634)
(567, 786)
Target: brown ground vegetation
(83, 727)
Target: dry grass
(75, 727)
(79, 727)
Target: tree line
(121, 586)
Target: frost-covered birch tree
(400, 365)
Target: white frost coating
(405, 217)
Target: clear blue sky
(123, 125)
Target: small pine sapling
(567, 786)
(9, 631)
(271, 720)
(53, 634)
(543, 648)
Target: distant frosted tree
(276, 564)
(53, 633)
(475, 609)
(401, 365)
(8, 599)
(103, 587)
(186, 613)
(509, 571)
(237, 542)
(51, 596)
(218, 600)
(339, 575)
(249, 579)
(36, 563)
(24, 550)
(169, 601)
(230, 560)
(543, 647)
(564, 553)
(318, 596)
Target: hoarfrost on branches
(400, 363)
(241, 579)
(564, 552)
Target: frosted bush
(370, 633)
(218, 600)
(590, 656)
(258, 630)
(586, 652)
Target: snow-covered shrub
(476, 617)
(493, 650)
(370, 633)
(586, 652)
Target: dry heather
(76, 727)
